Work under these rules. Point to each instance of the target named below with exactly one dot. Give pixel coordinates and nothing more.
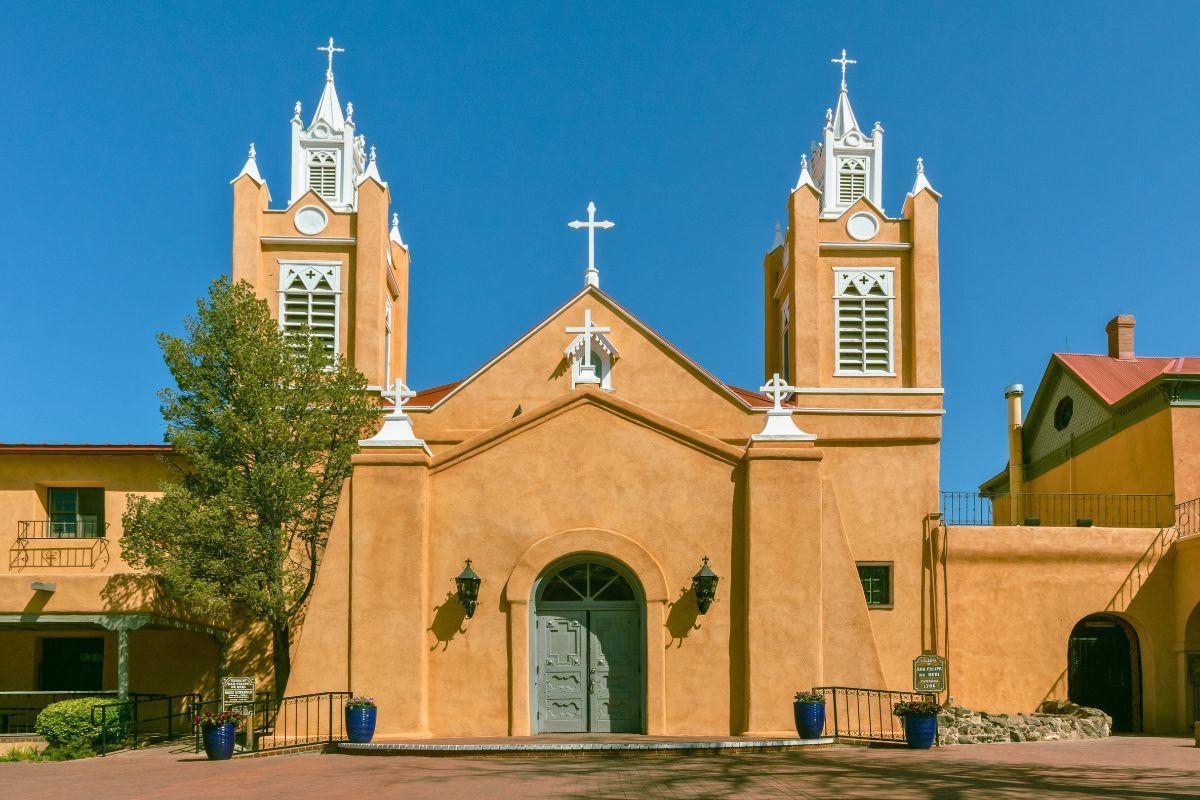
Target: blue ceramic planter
(920, 730)
(810, 719)
(360, 724)
(218, 742)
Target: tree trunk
(281, 655)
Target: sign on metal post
(929, 674)
(236, 692)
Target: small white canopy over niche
(780, 427)
(397, 430)
(591, 353)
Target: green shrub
(67, 725)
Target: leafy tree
(263, 425)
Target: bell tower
(330, 263)
(851, 295)
(327, 156)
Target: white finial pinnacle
(922, 182)
(296, 114)
(394, 233)
(805, 177)
(777, 242)
(397, 430)
(330, 49)
(372, 152)
(843, 61)
(252, 149)
(592, 276)
(350, 112)
(395, 220)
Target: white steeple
(848, 162)
(250, 168)
(327, 157)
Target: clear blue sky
(1059, 135)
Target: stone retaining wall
(1054, 721)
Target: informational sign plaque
(236, 692)
(929, 674)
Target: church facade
(587, 475)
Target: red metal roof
(427, 397)
(1114, 379)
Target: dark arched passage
(1104, 669)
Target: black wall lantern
(704, 586)
(468, 588)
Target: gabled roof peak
(250, 169)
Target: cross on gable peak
(330, 49)
(592, 276)
(843, 61)
(778, 390)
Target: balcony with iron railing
(79, 543)
(1060, 510)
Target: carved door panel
(562, 671)
(615, 656)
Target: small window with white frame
(863, 304)
(322, 174)
(852, 180)
(309, 298)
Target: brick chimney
(1120, 337)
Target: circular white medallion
(862, 226)
(311, 220)
(321, 132)
(853, 140)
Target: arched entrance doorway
(1104, 669)
(589, 649)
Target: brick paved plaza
(1136, 768)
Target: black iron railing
(1187, 518)
(19, 710)
(1060, 509)
(273, 723)
(146, 718)
(865, 714)
(83, 528)
(88, 553)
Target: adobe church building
(590, 470)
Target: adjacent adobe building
(590, 471)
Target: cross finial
(297, 110)
(372, 152)
(843, 61)
(395, 219)
(252, 149)
(778, 390)
(330, 49)
(592, 276)
(920, 164)
(399, 394)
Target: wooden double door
(589, 670)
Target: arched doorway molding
(1090, 647)
(519, 590)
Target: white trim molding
(865, 245)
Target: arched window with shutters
(864, 322)
(852, 180)
(322, 174)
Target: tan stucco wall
(1015, 593)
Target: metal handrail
(1058, 509)
(866, 714)
(177, 704)
(51, 529)
(280, 723)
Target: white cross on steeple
(843, 61)
(587, 370)
(330, 49)
(592, 276)
(777, 389)
(399, 395)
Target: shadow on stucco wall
(681, 620)
(735, 590)
(447, 622)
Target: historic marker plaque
(929, 673)
(236, 692)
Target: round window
(1062, 413)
